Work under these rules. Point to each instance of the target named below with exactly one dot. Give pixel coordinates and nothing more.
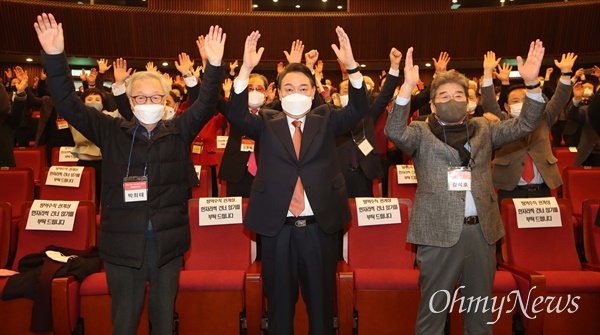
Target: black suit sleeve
(343, 120)
(237, 114)
(594, 113)
(4, 101)
(383, 98)
(123, 106)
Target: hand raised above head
(295, 54)
(530, 69)
(50, 34)
(252, 55)
(215, 45)
(344, 51)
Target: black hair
(174, 96)
(93, 91)
(514, 87)
(296, 67)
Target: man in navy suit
(298, 201)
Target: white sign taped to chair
(222, 142)
(537, 212)
(406, 174)
(198, 168)
(65, 176)
(219, 211)
(52, 215)
(65, 155)
(377, 211)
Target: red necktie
(252, 167)
(528, 171)
(297, 204)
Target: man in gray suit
(456, 221)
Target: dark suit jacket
(279, 169)
(370, 164)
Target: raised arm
(561, 96)
(488, 95)
(391, 82)
(121, 73)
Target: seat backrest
(56, 158)
(540, 249)
(85, 191)
(17, 187)
(580, 183)
(591, 232)
(33, 158)
(395, 190)
(35, 241)
(5, 218)
(565, 157)
(380, 246)
(203, 190)
(220, 247)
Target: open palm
(50, 34)
(215, 45)
(531, 68)
(252, 55)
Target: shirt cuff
(576, 102)
(356, 83)
(395, 73)
(402, 101)
(239, 85)
(118, 89)
(566, 81)
(535, 96)
(191, 81)
(487, 82)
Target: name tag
(62, 124)
(365, 147)
(247, 145)
(197, 149)
(459, 178)
(135, 188)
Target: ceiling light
(255, 6)
(29, 59)
(428, 64)
(297, 6)
(339, 7)
(363, 65)
(324, 0)
(165, 64)
(275, 0)
(454, 1)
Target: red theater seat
(33, 158)
(56, 158)
(396, 190)
(591, 232)
(5, 223)
(579, 184)
(85, 191)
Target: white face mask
(255, 99)
(149, 114)
(169, 113)
(98, 106)
(296, 105)
(587, 92)
(344, 100)
(472, 105)
(515, 109)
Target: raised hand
(548, 73)
(91, 78)
(150, 67)
(23, 82)
(200, 42)
(344, 52)
(280, 67)
(43, 74)
(504, 73)
(271, 92)
(411, 75)
(251, 54)
(120, 71)
(311, 58)
(578, 91)
(295, 54)
(227, 83)
(185, 63)
(83, 75)
(232, 66)
(50, 34)
(395, 58)
(578, 73)
(215, 45)
(103, 65)
(179, 80)
(197, 72)
(9, 74)
(168, 79)
(441, 63)
(596, 71)
(319, 67)
(566, 62)
(489, 63)
(530, 70)
(20, 73)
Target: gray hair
(448, 77)
(147, 75)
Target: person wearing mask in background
(588, 149)
(144, 234)
(10, 115)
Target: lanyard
(449, 154)
(131, 150)
(363, 131)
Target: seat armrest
(254, 298)
(345, 301)
(65, 304)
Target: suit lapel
(311, 128)
(282, 131)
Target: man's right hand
(50, 34)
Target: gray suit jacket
(509, 161)
(438, 215)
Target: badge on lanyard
(61, 123)
(365, 147)
(197, 147)
(459, 178)
(247, 145)
(135, 188)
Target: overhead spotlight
(29, 59)
(255, 6)
(324, 0)
(363, 65)
(501, 1)
(297, 6)
(339, 7)
(275, 0)
(165, 64)
(454, 1)
(428, 64)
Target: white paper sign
(377, 211)
(218, 211)
(222, 142)
(65, 155)
(66, 176)
(537, 212)
(406, 174)
(198, 168)
(52, 215)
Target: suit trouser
(309, 255)
(128, 287)
(472, 263)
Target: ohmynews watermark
(497, 306)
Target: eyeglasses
(445, 97)
(256, 88)
(141, 99)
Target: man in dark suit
(298, 201)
